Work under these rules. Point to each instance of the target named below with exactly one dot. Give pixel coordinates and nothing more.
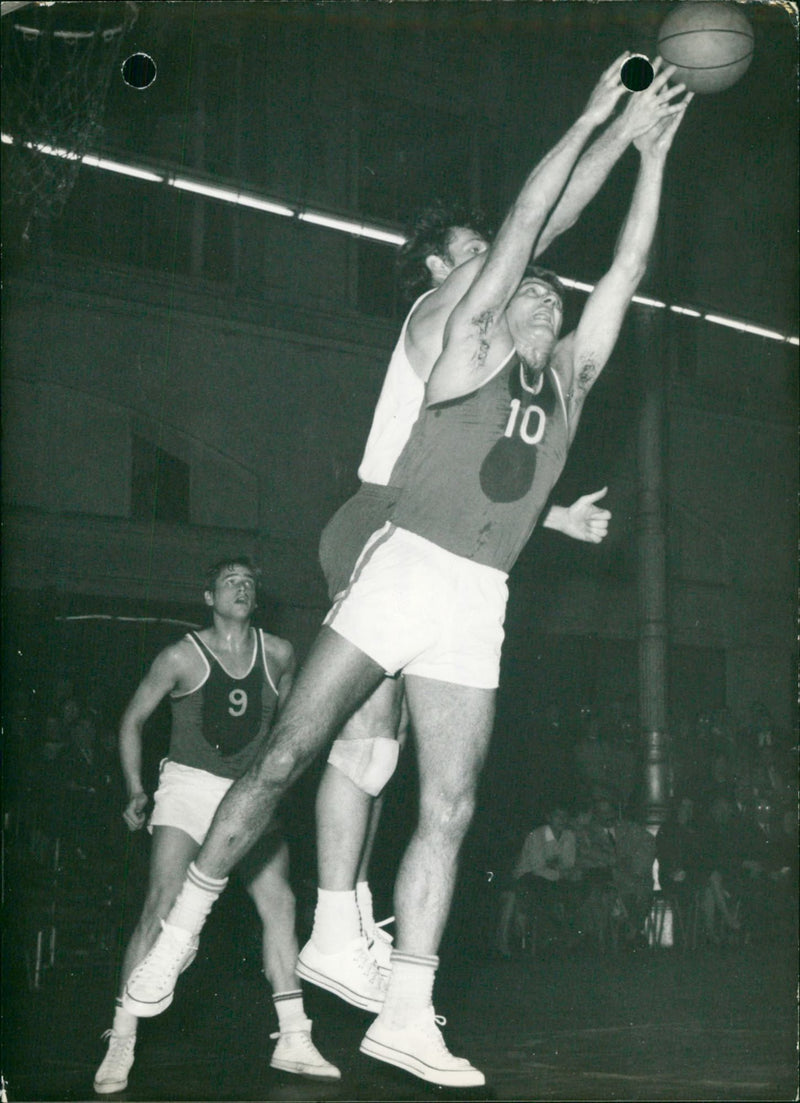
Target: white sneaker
(295, 1052)
(151, 985)
(419, 1048)
(380, 942)
(112, 1076)
(352, 974)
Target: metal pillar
(652, 564)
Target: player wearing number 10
(224, 684)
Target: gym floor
(710, 1024)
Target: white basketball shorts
(187, 798)
(417, 608)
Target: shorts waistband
(446, 556)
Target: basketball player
(431, 603)
(224, 685)
(347, 950)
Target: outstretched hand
(606, 92)
(134, 814)
(656, 141)
(585, 520)
(653, 105)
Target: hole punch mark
(139, 71)
(637, 73)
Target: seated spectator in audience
(722, 857)
(545, 866)
(633, 874)
(678, 848)
(616, 858)
(596, 842)
(596, 857)
(767, 865)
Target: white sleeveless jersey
(395, 414)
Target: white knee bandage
(369, 763)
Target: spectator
(616, 857)
(678, 851)
(543, 871)
(720, 900)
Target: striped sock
(195, 900)
(410, 987)
(289, 1008)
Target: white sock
(336, 920)
(410, 988)
(364, 901)
(289, 1009)
(124, 1023)
(195, 900)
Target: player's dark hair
(216, 569)
(534, 271)
(429, 235)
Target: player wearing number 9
(224, 685)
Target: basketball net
(58, 61)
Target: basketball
(712, 44)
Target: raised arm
(583, 354)
(506, 259)
(471, 327)
(642, 111)
(160, 679)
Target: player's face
(535, 312)
(235, 591)
(464, 244)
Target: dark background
(183, 378)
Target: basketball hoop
(58, 60)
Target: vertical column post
(652, 563)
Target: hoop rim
(130, 13)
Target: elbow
(632, 266)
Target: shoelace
(379, 933)
(441, 1045)
(304, 1036)
(117, 1053)
(303, 1032)
(166, 953)
(367, 964)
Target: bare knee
(158, 902)
(447, 814)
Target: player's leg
(453, 727)
(361, 761)
(381, 940)
(172, 851)
(272, 895)
(335, 679)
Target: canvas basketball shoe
(151, 985)
(112, 1076)
(352, 974)
(295, 1052)
(420, 1049)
